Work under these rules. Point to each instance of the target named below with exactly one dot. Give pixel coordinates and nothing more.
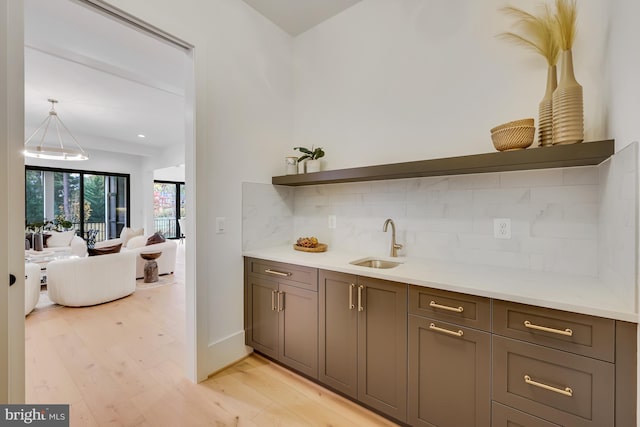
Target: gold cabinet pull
(446, 307)
(277, 273)
(567, 332)
(280, 304)
(567, 391)
(360, 307)
(457, 333)
(351, 305)
(273, 300)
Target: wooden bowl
(520, 122)
(513, 138)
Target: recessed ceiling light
(141, 135)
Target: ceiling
(114, 82)
(297, 16)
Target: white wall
(623, 71)
(389, 81)
(171, 173)
(243, 91)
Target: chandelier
(51, 150)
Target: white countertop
(579, 294)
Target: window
(90, 200)
(168, 207)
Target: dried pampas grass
(566, 13)
(539, 33)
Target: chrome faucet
(394, 246)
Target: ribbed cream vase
(545, 110)
(567, 105)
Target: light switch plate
(332, 221)
(221, 223)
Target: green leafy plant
(313, 154)
(59, 223)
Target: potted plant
(311, 156)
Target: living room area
(104, 170)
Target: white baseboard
(226, 352)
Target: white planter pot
(313, 166)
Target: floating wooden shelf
(560, 156)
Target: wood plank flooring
(121, 364)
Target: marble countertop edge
(575, 293)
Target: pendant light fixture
(53, 150)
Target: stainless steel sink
(375, 263)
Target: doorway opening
(126, 89)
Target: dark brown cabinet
(363, 340)
(561, 367)
(504, 416)
(281, 315)
(430, 357)
(449, 364)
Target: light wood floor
(121, 364)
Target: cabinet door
(449, 375)
(382, 346)
(558, 386)
(339, 332)
(262, 319)
(504, 416)
(298, 309)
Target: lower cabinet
(449, 362)
(363, 340)
(504, 416)
(435, 358)
(565, 368)
(449, 375)
(282, 319)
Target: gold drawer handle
(458, 333)
(445, 307)
(567, 332)
(566, 392)
(277, 273)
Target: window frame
(177, 203)
(82, 173)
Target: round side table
(151, 266)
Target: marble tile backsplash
(554, 217)
(578, 220)
(618, 213)
(267, 215)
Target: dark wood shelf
(560, 156)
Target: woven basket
(521, 122)
(513, 138)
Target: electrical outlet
(502, 228)
(220, 225)
(332, 221)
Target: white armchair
(78, 282)
(77, 246)
(31, 286)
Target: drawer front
(295, 275)
(461, 309)
(557, 386)
(504, 416)
(577, 333)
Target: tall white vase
(568, 110)
(545, 110)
